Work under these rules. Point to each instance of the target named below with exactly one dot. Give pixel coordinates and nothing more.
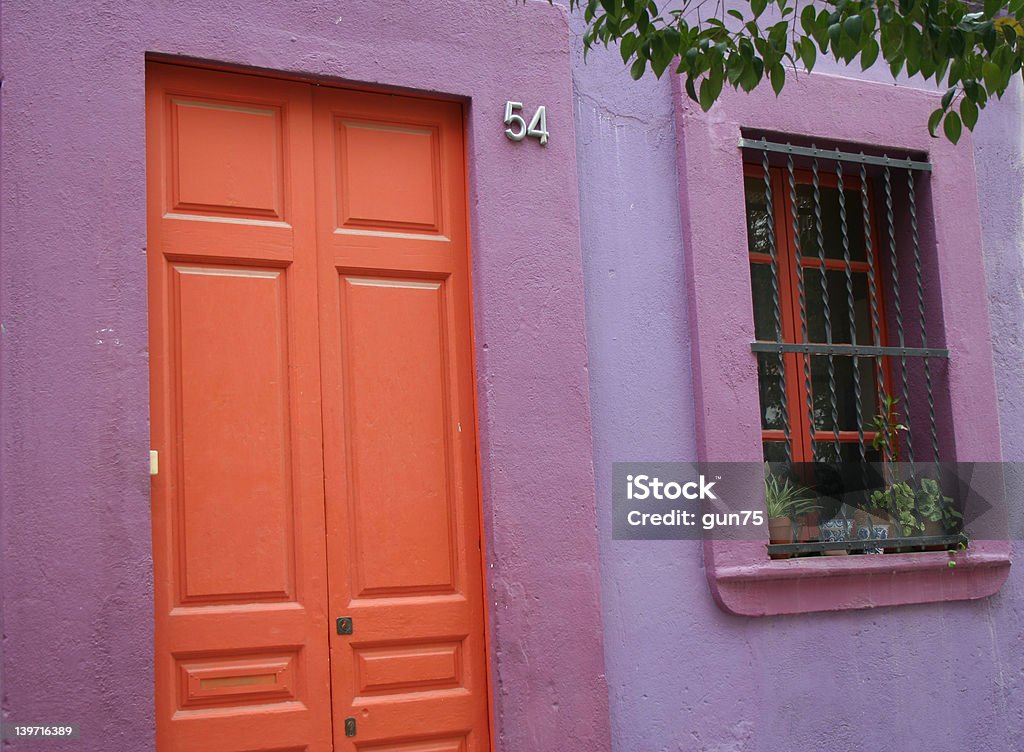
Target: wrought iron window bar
(889, 171)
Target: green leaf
(690, 90)
(808, 53)
(952, 126)
(777, 74)
(968, 112)
(758, 7)
(852, 26)
(947, 98)
(807, 18)
(992, 75)
(933, 125)
(638, 68)
(749, 78)
(869, 54)
(627, 46)
(707, 97)
(833, 35)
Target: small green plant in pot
(897, 502)
(940, 515)
(784, 502)
(892, 506)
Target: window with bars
(847, 379)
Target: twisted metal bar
(869, 252)
(921, 315)
(819, 237)
(897, 305)
(851, 310)
(776, 309)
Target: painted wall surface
(77, 566)
(683, 675)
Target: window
(856, 116)
(838, 287)
(832, 425)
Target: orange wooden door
(403, 528)
(310, 307)
(238, 518)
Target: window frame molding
(835, 110)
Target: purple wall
(682, 674)
(77, 579)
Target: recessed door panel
(395, 381)
(233, 425)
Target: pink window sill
(745, 582)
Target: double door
(316, 519)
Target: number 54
(518, 129)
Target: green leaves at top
(970, 48)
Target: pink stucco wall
(77, 572)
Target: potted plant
(894, 506)
(937, 511)
(784, 502)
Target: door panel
(238, 546)
(403, 528)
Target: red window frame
(801, 444)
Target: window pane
(832, 238)
(849, 451)
(838, 305)
(846, 406)
(758, 224)
(770, 393)
(764, 315)
(774, 451)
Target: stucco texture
(684, 675)
(76, 529)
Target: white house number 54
(518, 129)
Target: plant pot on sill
(836, 530)
(780, 530)
(870, 525)
(810, 529)
(933, 528)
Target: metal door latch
(344, 626)
(350, 726)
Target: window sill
(743, 585)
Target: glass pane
(838, 305)
(774, 451)
(832, 238)
(758, 224)
(764, 314)
(846, 406)
(849, 451)
(768, 365)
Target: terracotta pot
(933, 528)
(780, 530)
(810, 532)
